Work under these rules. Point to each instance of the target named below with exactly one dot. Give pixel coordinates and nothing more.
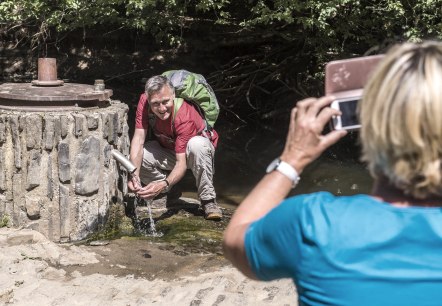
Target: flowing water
(140, 225)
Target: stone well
(57, 175)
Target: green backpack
(194, 88)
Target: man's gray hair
(156, 83)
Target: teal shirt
(351, 250)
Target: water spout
(124, 161)
(130, 167)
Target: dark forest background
(259, 56)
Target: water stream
(149, 230)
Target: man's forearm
(136, 156)
(136, 149)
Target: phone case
(347, 77)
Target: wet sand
(125, 271)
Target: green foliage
(317, 31)
(164, 19)
(331, 21)
(5, 221)
(275, 43)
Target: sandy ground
(35, 271)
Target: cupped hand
(305, 141)
(134, 184)
(151, 190)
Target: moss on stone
(180, 227)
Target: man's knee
(149, 154)
(199, 145)
(148, 160)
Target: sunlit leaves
(329, 22)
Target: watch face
(273, 165)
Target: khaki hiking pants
(200, 153)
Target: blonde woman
(378, 249)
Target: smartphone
(349, 119)
(345, 79)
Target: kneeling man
(181, 143)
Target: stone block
(87, 217)
(64, 165)
(79, 122)
(49, 133)
(124, 140)
(33, 205)
(22, 123)
(52, 220)
(16, 142)
(34, 175)
(50, 188)
(18, 202)
(65, 222)
(87, 170)
(123, 119)
(57, 130)
(2, 205)
(33, 131)
(92, 122)
(117, 124)
(34, 225)
(103, 206)
(2, 170)
(105, 119)
(107, 155)
(8, 194)
(2, 129)
(111, 133)
(64, 126)
(9, 207)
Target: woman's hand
(305, 141)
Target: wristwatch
(285, 168)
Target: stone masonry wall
(57, 175)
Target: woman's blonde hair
(401, 118)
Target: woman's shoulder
(324, 202)
(323, 197)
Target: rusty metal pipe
(47, 69)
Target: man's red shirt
(188, 123)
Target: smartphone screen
(349, 119)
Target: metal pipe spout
(124, 161)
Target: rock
(34, 177)
(33, 207)
(64, 166)
(88, 167)
(33, 131)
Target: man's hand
(134, 183)
(151, 190)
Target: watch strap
(288, 171)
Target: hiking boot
(211, 210)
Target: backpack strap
(177, 102)
(207, 132)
